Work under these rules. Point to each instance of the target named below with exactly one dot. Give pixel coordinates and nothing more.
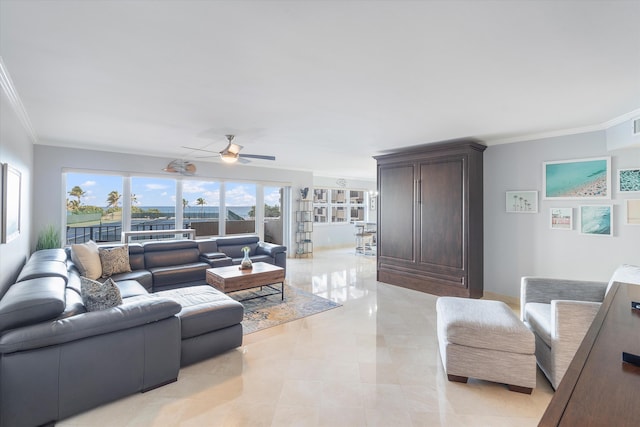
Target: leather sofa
(231, 247)
(57, 359)
(169, 264)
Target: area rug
(268, 311)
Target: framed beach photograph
(561, 218)
(577, 179)
(521, 201)
(629, 180)
(596, 220)
(633, 212)
(11, 182)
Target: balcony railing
(113, 232)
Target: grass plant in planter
(49, 238)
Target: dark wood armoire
(430, 218)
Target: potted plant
(48, 238)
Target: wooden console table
(598, 388)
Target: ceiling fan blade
(258, 156)
(199, 149)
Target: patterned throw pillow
(114, 260)
(99, 296)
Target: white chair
(559, 313)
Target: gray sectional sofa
(58, 359)
(161, 265)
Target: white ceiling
(322, 85)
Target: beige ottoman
(485, 340)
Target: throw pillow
(99, 296)
(114, 260)
(86, 257)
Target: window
(201, 206)
(153, 204)
(343, 205)
(96, 209)
(93, 204)
(240, 201)
(273, 214)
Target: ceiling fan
(183, 167)
(231, 153)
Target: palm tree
(185, 203)
(201, 202)
(113, 199)
(77, 192)
(134, 199)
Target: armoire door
(441, 216)
(396, 241)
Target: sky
(162, 191)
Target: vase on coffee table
(245, 264)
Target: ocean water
(595, 220)
(564, 178)
(194, 211)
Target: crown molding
(573, 131)
(15, 102)
(621, 119)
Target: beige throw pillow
(99, 296)
(114, 260)
(86, 257)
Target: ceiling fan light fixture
(229, 157)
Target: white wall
(621, 136)
(516, 245)
(50, 161)
(16, 149)
(327, 236)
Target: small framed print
(561, 218)
(521, 201)
(629, 180)
(633, 212)
(596, 220)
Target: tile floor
(372, 362)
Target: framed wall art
(577, 179)
(629, 180)
(11, 193)
(596, 220)
(521, 201)
(561, 218)
(633, 212)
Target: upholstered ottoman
(210, 322)
(485, 340)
